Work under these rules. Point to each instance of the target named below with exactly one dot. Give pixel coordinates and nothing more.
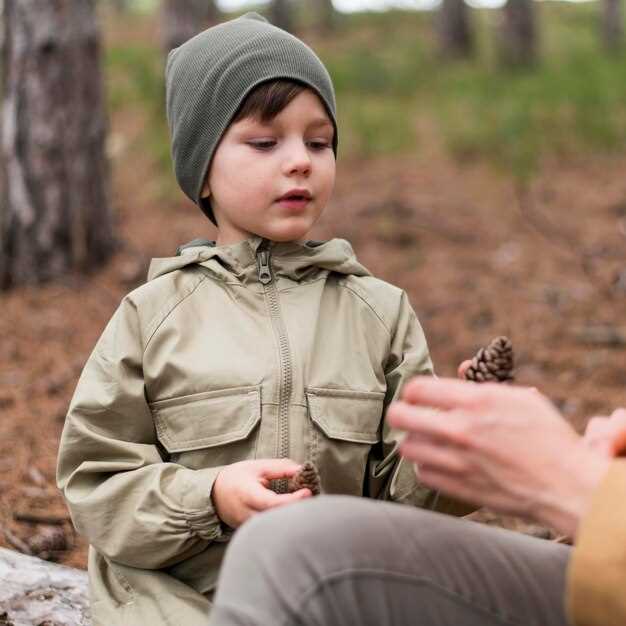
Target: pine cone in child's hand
(307, 477)
(493, 363)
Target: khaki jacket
(253, 350)
(596, 577)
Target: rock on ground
(34, 592)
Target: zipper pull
(265, 275)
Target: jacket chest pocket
(211, 428)
(344, 425)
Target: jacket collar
(239, 262)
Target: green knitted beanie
(208, 77)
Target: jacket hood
(238, 262)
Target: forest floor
(545, 265)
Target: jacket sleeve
(131, 505)
(392, 477)
(596, 575)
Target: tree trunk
(54, 212)
(612, 24)
(518, 36)
(213, 13)
(281, 15)
(326, 16)
(455, 32)
(180, 20)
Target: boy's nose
(303, 167)
(298, 160)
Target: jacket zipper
(286, 374)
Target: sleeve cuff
(198, 505)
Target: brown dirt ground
(549, 272)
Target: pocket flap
(207, 419)
(346, 414)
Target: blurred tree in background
(454, 29)
(327, 16)
(518, 33)
(281, 15)
(613, 24)
(55, 214)
(182, 19)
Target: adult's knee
(301, 524)
(279, 554)
(313, 532)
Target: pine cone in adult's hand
(493, 363)
(307, 477)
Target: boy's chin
(288, 233)
(286, 239)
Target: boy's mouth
(296, 195)
(294, 204)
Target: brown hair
(268, 99)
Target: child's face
(255, 164)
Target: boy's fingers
(272, 469)
(261, 499)
(286, 498)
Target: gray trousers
(344, 561)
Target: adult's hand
(499, 446)
(242, 489)
(463, 367)
(607, 435)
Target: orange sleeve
(596, 577)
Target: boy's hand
(242, 489)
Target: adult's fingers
(447, 428)
(607, 435)
(463, 368)
(618, 416)
(618, 420)
(597, 433)
(447, 393)
(429, 453)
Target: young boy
(242, 358)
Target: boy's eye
(266, 145)
(262, 145)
